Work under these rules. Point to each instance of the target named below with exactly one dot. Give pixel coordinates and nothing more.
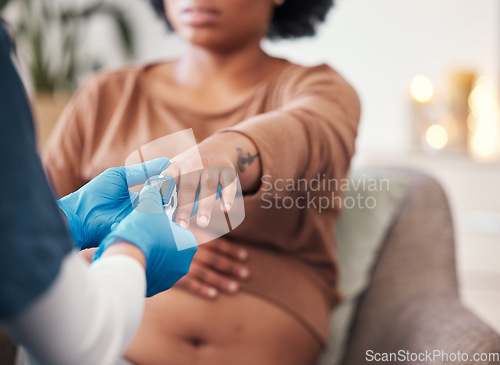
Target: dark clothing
(33, 235)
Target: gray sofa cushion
(371, 205)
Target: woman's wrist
(244, 156)
(128, 249)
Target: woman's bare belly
(242, 329)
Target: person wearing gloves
(45, 287)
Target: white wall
(379, 45)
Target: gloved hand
(168, 248)
(104, 201)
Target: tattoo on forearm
(245, 160)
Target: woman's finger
(197, 287)
(222, 263)
(208, 185)
(229, 183)
(188, 184)
(215, 279)
(172, 170)
(230, 249)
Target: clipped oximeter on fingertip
(168, 190)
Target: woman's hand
(218, 161)
(216, 267)
(220, 155)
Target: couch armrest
(413, 303)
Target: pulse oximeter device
(168, 190)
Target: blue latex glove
(104, 201)
(168, 248)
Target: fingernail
(242, 254)
(212, 292)
(244, 272)
(203, 221)
(232, 286)
(183, 224)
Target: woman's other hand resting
(218, 266)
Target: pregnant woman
(273, 121)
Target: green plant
(3, 3)
(50, 34)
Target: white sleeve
(88, 316)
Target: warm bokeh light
(484, 120)
(483, 98)
(421, 89)
(436, 136)
(471, 122)
(484, 142)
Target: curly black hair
(293, 19)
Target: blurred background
(427, 72)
